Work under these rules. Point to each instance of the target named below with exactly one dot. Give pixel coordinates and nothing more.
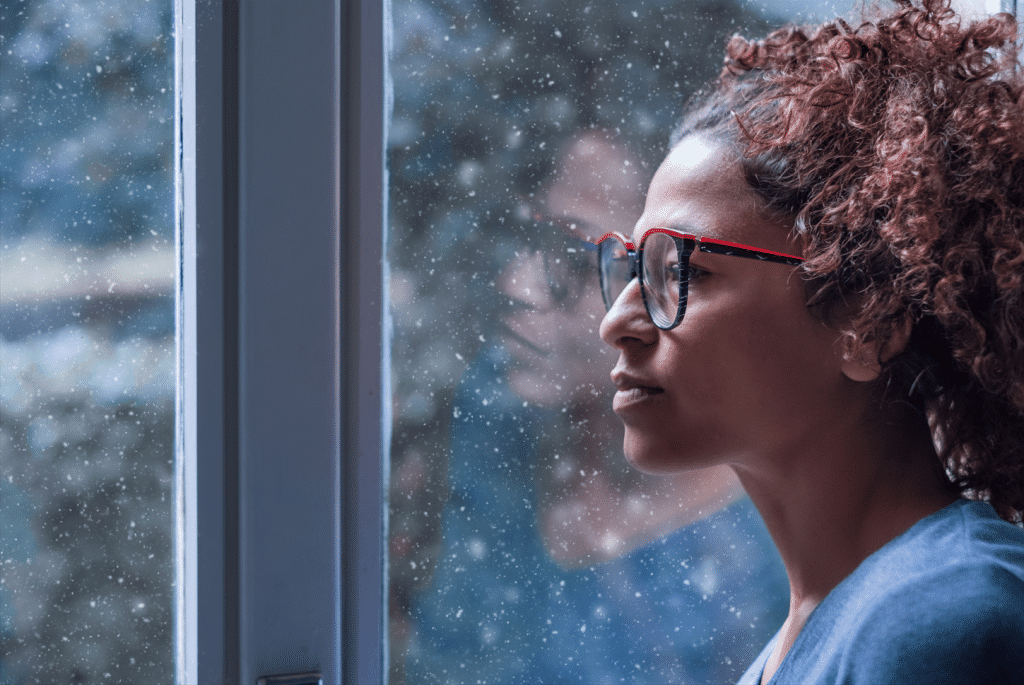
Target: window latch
(311, 678)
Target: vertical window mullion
(366, 403)
(207, 606)
(288, 339)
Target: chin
(659, 459)
(643, 456)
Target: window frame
(281, 347)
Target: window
(522, 547)
(285, 386)
(290, 396)
(234, 499)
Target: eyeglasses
(663, 266)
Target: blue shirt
(943, 603)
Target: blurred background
(87, 373)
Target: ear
(868, 364)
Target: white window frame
(282, 352)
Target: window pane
(523, 548)
(87, 375)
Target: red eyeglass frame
(686, 245)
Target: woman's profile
(825, 292)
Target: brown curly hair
(898, 147)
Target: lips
(633, 392)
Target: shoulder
(964, 541)
(958, 619)
(955, 627)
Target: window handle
(311, 678)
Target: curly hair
(898, 148)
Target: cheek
(781, 372)
(797, 348)
(747, 372)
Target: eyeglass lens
(614, 263)
(661, 275)
(661, 278)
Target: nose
(627, 322)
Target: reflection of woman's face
(749, 370)
(554, 343)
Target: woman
(861, 369)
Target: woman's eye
(695, 273)
(673, 271)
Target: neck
(831, 504)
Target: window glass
(87, 234)
(522, 546)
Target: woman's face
(749, 371)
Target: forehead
(700, 188)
